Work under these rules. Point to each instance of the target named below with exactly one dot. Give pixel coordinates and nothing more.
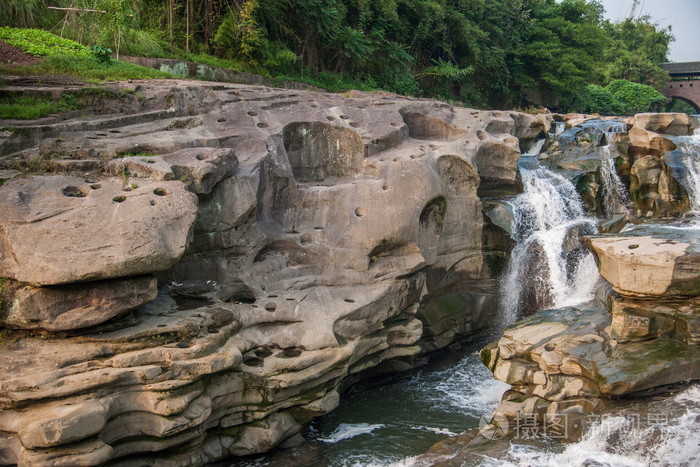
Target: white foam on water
(546, 214)
(624, 441)
(467, 386)
(350, 430)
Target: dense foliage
(620, 97)
(495, 53)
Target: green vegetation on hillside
(490, 53)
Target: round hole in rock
(252, 113)
(395, 124)
(184, 345)
(290, 299)
(385, 188)
(222, 120)
(153, 202)
(95, 186)
(114, 131)
(73, 192)
(315, 106)
(88, 180)
(290, 352)
(161, 192)
(330, 119)
(262, 352)
(270, 306)
(213, 331)
(162, 326)
(252, 361)
(201, 157)
(355, 124)
(272, 296)
(633, 247)
(396, 159)
(262, 125)
(549, 347)
(119, 199)
(150, 161)
(382, 159)
(344, 117)
(349, 300)
(318, 228)
(413, 156)
(359, 212)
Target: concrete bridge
(685, 82)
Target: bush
(635, 97)
(598, 100)
(620, 97)
(42, 43)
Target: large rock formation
(323, 237)
(563, 363)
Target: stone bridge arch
(685, 84)
(687, 91)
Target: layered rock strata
(298, 240)
(563, 363)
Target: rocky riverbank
(196, 270)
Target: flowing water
(548, 266)
(689, 147)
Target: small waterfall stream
(615, 196)
(548, 266)
(690, 160)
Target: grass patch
(33, 107)
(331, 82)
(42, 43)
(87, 69)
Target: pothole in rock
(252, 361)
(161, 192)
(262, 352)
(119, 199)
(74, 192)
(270, 306)
(290, 352)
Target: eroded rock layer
(298, 240)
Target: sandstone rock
(199, 168)
(649, 261)
(336, 237)
(84, 231)
(75, 306)
(677, 124)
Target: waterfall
(615, 197)
(548, 266)
(690, 159)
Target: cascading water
(548, 266)
(615, 197)
(689, 147)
